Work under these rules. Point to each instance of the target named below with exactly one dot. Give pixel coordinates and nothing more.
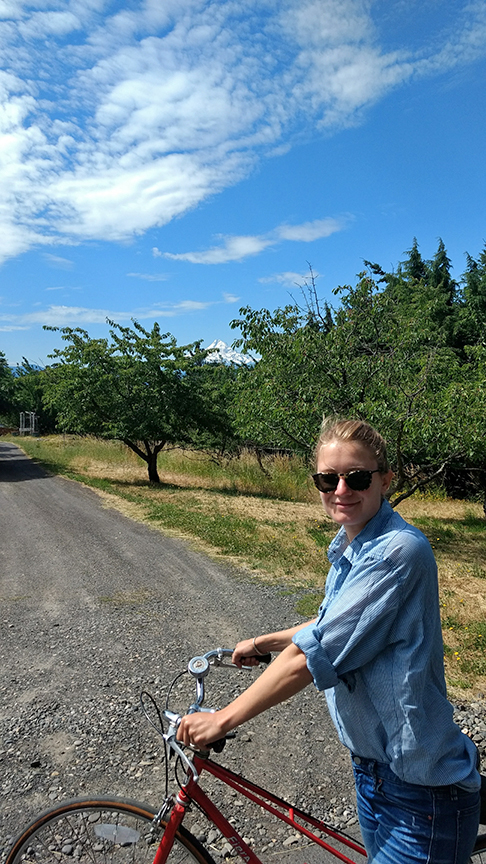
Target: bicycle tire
(100, 831)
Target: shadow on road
(16, 466)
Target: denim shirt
(376, 649)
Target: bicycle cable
(171, 685)
(146, 695)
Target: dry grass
(284, 541)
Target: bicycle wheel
(100, 831)
(479, 854)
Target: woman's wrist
(258, 652)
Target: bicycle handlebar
(199, 667)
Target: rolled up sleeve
(318, 663)
(355, 625)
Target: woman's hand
(245, 654)
(200, 729)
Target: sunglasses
(356, 480)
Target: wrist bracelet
(260, 653)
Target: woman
(376, 649)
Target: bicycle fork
(192, 792)
(167, 841)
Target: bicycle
(122, 831)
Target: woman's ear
(386, 479)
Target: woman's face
(344, 505)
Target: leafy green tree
(471, 315)
(6, 386)
(137, 386)
(386, 361)
(27, 395)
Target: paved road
(95, 606)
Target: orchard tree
(382, 360)
(137, 386)
(27, 395)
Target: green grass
(284, 478)
(308, 604)
(271, 522)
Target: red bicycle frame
(274, 805)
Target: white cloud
(307, 232)
(58, 315)
(288, 278)
(58, 262)
(233, 249)
(150, 277)
(192, 305)
(42, 24)
(112, 123)
(238, 248)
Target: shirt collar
(340, 544)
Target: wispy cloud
(231, 249)
(287, 278)
(150, 277)
(80, 316)
(114, 122)
(310, 231)
(238, 248)
(58, 262)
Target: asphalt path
(96, 606)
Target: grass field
(272, 524)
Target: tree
(471, 314)
(384, 360)
(138, 386)
(27, 395)
(6, 386)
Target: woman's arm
(245, 654)
(282, 679)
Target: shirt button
(357, 760)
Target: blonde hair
(335, 429)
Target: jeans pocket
(416, 800)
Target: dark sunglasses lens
(356, 480)
(359, 480)
(326, 482)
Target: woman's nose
(342, 488)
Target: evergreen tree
(6, 387)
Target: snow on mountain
(222, 353)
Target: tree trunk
(152, 468)
(149, 456)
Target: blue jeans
(403, 823)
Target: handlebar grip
(262, 658)
(218, 745)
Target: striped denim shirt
(376, 649)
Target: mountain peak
(222, 353)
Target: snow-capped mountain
(222, 353)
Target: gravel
(91, 737)
(96, 608)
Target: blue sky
(173, 160)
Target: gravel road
(94, 608)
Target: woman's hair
(335, 429)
